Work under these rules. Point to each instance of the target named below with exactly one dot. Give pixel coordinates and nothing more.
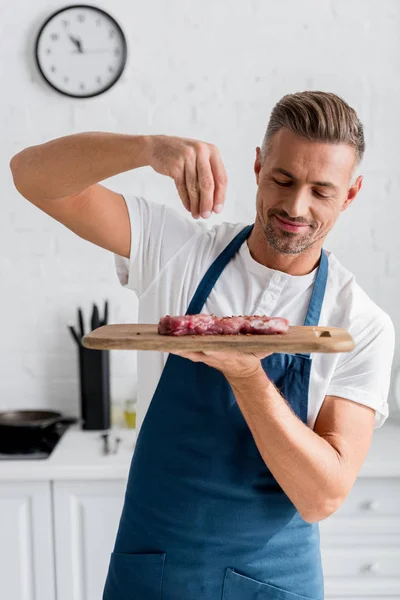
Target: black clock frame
(124, 50)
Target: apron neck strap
(318, 293)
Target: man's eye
(283, 183)
(289, 183)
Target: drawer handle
(372, 505)
(372, 568)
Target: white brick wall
(212, 70)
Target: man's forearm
(68, 165)
(305, 465)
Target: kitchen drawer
(353, 588)
(372, 497)
(362, 529)
(372, 507)
(359, 561)
(361, 570)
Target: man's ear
(353, 191)
(257, 164)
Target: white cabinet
(360, 543)
(56, 538)
(86, 517)
(26, 542)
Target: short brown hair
(317, 116)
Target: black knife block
(94, 371)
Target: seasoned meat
(211, 325)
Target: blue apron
(203, 518)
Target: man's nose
(296, 203)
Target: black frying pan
(32, 419)
(22, 429)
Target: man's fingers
(206, 184)
(192, 186)
(182, 191)
(220, 181)
(195, 356)
(197, 169)
(202, 182)
(261, 355)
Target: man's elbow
(318, 511)
(15, 167)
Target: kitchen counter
(78, 456)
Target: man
(239, 456)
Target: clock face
(81, 51)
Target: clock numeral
(66, 79)
(98, 22)
(117, 51)
(82, 86)
(111, 69)
(81, 18)
(53, 69)
(65, 23)
(111, 34)
(54, 36)
(98, 79)
(48, 51)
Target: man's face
(302, 188)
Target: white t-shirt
(171, 253)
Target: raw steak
(211, 325)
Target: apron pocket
(240, 587)
(134, 577)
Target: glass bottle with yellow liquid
(130, 413)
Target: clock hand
(77, 43)
(100, 51)
(92, 52)
(71, 37)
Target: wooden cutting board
(146, 337)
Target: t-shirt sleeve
(363, 375)
(157, 233)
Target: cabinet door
(360, 543)
(26, 541)
(86, 521)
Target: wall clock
(81, 51)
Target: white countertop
(79, 456)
